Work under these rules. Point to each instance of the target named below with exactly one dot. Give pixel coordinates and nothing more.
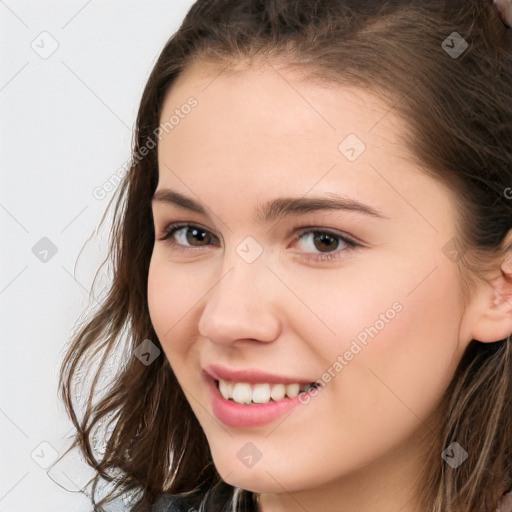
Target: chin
(257, 483)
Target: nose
(241, 305)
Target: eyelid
(298, 226)
(175, 226)
(330, 231)
(352, 243)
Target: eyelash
(350, 242)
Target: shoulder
(505, 503)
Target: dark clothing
(172, 504)
(216, 500)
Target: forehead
(244, 108)
(279, 93)
(269, 131)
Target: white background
(66, 128)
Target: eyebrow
(279, 208)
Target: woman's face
(380, 324)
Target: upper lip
(249, 375)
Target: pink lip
(238, 415)
(251, 376)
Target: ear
(494, 318)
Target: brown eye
(187, 236)
(322, 245)
(194, 235)
(325, 242)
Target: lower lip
(238, 415)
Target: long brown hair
(458, 109)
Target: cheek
(171, 297)
(402, 358)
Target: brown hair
(458, 112)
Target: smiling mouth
(263, 393)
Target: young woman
(312, 289)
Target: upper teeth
(244, 393)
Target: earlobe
(495, 319)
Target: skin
(504, 8)
(260, 133)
